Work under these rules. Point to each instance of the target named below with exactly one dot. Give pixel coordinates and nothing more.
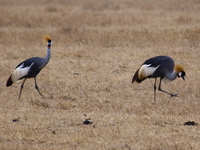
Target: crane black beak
(183, 77)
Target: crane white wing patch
(20, 72)
(146, 71)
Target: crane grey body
(30, 68)
(159, 67)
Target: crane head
(180, 71)
(47, 39)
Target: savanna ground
(97, 47)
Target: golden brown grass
(97, 47)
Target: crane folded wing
(20, 72)
(146, 71)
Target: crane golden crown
(46, 38)
(179, 68)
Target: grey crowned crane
(159, 67)
(30, 68)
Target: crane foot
(173, 95)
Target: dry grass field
(97, 47)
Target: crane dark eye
(183, 73)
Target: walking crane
(30, 68)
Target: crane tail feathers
(9, 82)
(136, 77)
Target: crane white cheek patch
(19, 72)
(179, 74)
(146, 71)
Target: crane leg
(172, 95)
(37, 87)
(21, 88)
(155, 90)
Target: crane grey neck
(171, 76)
(47, 57)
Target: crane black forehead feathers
(49, 43)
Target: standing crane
(159, 66)
(30, 68)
